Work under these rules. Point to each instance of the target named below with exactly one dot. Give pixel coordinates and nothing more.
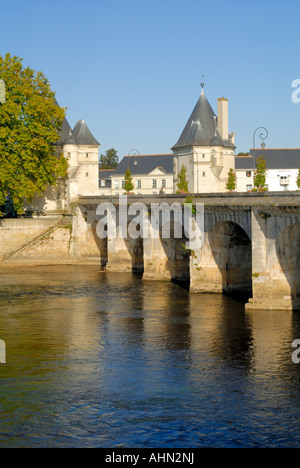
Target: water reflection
(103, 359)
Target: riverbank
(35, 262)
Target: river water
(97, 359)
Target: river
(97, 359)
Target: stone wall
(23, 240)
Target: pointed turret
(83, 135)
(201, 128)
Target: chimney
(223, 117)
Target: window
(86, 174)
(86, 155)
(248, 173)
(139, 184)
(116, 184)
(103, 184)
(203, 156)
(163, 183)
(249, 188)
(203, 174)
(69, 155)
(123, 183)
(284, 179)
(154, 183)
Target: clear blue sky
(132, 69)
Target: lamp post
(262, 137)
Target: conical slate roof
(70, 140)
(201, 128)
(64, 133)
(83, 135)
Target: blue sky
(132, 69)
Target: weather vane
(202, 84)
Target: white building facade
(282, 169)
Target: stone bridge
(251, 244)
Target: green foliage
(260, 173)
(129, 185)
(182, 183)
(109, 160)
(298, 179)
(30, 121)
(231, 181)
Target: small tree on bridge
(182, 183)
(298, 179)
(129, 185)
(231, 181)
(260, 174)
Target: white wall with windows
(277, 180)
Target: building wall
(275, 180)
(147, 187)
(207, 167)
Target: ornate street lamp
(261, 135)
(263, 145)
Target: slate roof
(82, 134)
(276, 158)
(144, 164)
(201, 128)
(64, 133)
(105, 173)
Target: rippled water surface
(97, 359)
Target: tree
(298, 179)
(231, 181)
(110, 160)
(30, 122)
(129, 185)
(260, 173)
(182, 183)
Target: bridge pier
(165, 259)
(275, 260)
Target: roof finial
(202, 84)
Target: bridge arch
(287, 246)
(231, 249)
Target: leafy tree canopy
(182, 183)
(231, 181)
(30, 121)
(298, 179)
(260, 173)
(129, 185)
(109, 160)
